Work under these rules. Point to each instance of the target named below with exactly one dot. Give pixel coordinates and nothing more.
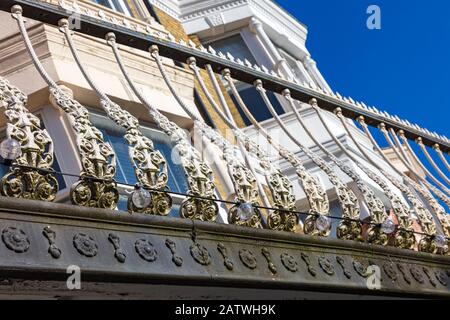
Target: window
(296, 67)
(114, 134)
(151, 11)
(237, 47)
(118, 5)
(125, 171)
(255, 103)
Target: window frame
(113, 6)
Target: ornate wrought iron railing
(97, 187)
(97, 27)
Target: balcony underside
(163, 261)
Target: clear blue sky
(404, 68)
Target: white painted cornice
(201, 16)
(171, 7)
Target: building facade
(230, 185)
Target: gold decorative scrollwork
(36, 146)
(96, 187)
(427, 242)
(284, 199)
(199, 174)
(376, 207)
(149, 164)
(404, 237)
(350, 227)
(280, 187)
(246, 213)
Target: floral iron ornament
(315, 193)
(425, 218)
(376, 207)
(317, 223)
(350, 227)
(36, 146)
(96, 187)
(404, 237)
(281, 189)
(428, 242)
(149, 164)
(244, 182)
(280, 186)
(198, 173)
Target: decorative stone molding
(171, 7)
(263, 9)
(299, 259)
(95, 10)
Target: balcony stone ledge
(119, 252)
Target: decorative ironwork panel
(96, 187)
(36, 150)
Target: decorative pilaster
(311, 67)
(281, 65)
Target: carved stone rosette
(36, 146)
(244, 181)
(97, 187)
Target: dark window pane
(256, 105)
(105, 3)
(118, 5)
(125, 171)
(236, 46)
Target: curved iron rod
(416, 158)
(438, 208)
(404, 158)
(213, 136)
(431, 161)
(366, 191)
(229, 123)
(423, 214)
(439, 211)
(315, 194)
(441, 155)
